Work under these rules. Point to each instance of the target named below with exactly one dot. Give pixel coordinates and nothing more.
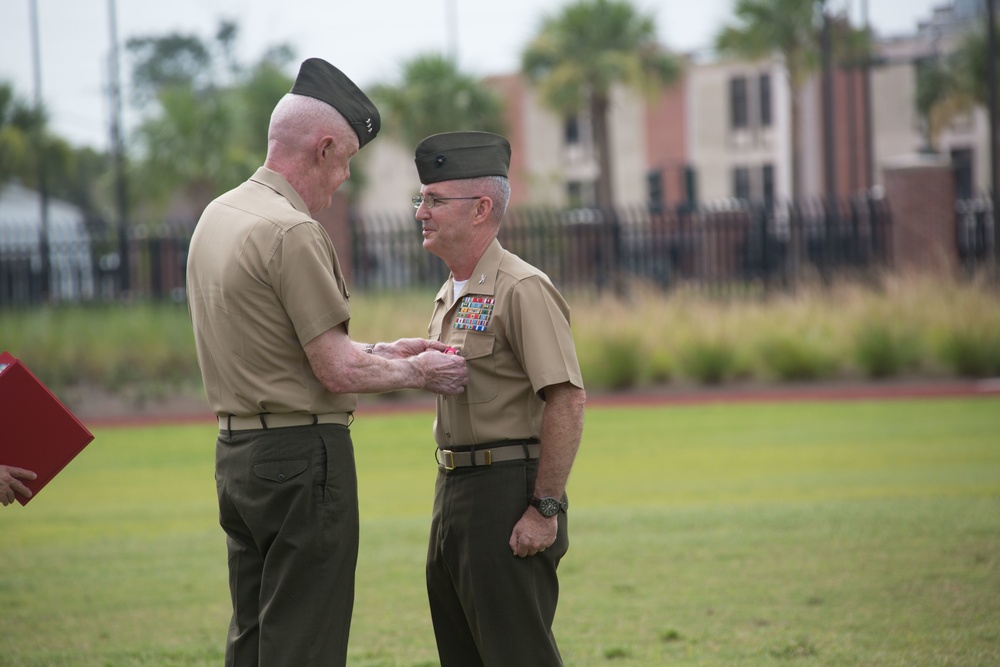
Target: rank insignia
(474, 313)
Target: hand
(408, 347)
(443, 373)
(10, 483)
(533, 533)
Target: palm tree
(936, 98)
(434, 96)
(205, 116)
(19, 122)
(971, 65)
(187, 150)
(951, 85)
(579, 55)
(70, 174)
(788, 27)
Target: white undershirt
(459, 285)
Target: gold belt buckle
(447, 454)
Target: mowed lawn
(839, 533)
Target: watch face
(548, 506)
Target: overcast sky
(367, 39)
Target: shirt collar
(484, 277)
(277, 182)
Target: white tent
(71, 276)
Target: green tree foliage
(18, 123)
(263, 85)
(953, 84)
(202, 128)
(434, 96)
(971, 65)
(172, 61)
(577, 57)
(71, 174)
(792, 29)
(205, 117)
(787, 27)
(936, 98)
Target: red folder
(37, 431)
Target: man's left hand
(533, 533)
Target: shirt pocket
(477, 350)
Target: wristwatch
(548, 506)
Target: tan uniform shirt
(263, 280)
(512, 327)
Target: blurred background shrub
(909, 326)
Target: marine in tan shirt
(507, 444)
(269, 308)
(264, 280)
(512, 327)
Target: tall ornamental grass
(914, 326)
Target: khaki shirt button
(281, 477)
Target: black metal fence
(97, 264)
(718, 248)
(721, 247)
(975, 233)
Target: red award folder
(37, 431)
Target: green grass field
(851, 533)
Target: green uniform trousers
(288, 501)
(489, 607)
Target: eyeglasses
(430, 201)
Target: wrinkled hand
(408, 347)
(443, 373)
(533, 533)
(10, 483)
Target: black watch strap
(549, 506)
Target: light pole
(991, 75)
(829, 142)
(118, 151)
(867, 94)
(451, 21)
(831, 217)
(39, 140)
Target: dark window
(690, 187)
(765, 100)
(741, 183)
(654, 188)
(961, 164)
(572, 130)
(767, 183)
(738, 102)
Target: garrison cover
(37, 431)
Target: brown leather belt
(489, 453)
(267, 420)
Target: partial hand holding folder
(37, 431)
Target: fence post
(920, 190)
(336, 220)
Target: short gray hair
(298, 120)
(496, 188)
